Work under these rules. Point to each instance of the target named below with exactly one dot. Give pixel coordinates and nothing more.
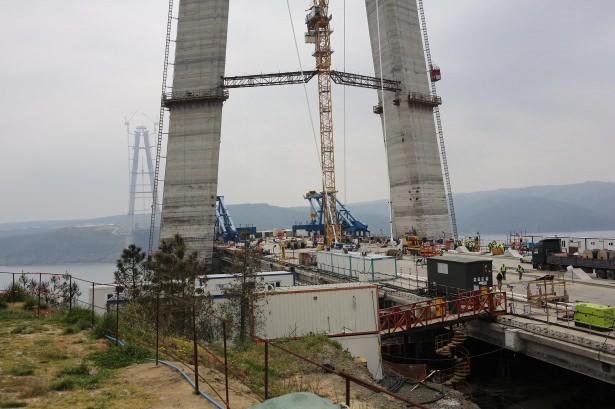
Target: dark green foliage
(79, 377)
(3, 303)
(31, 304)
(13, 314)
(131, 273)
(105, 326)
(22, 369)
(13, 404)
(15, 293)
(78, 318)
(120, 356)
(81, 369)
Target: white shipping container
(215, 284)
(357, 266)
(346, 312)
(100, 295)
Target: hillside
(578, 207)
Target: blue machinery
(350, 225)
(225, 228)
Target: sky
(528, 90)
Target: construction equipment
(319, 34)
(225, 228)
(595, 316)
(350, 225)
(412, 244)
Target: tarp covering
(299, 400)
(512, 253)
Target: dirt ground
(168, 389)
(33, 354)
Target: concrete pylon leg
(191, 177)
(417, 185)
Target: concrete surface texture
(191, 177)
(417, 186)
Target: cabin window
(278, 284)
(442, 268)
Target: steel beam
(298, 77)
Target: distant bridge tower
(141, 178)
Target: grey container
(450, 275)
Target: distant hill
(579, 207)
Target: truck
(548, 255)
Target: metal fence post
(196, 355)
(266, 369)
(38, 308)
(117, 315)
(157, 327)
(70, 293)
(93, 318)
(347, 392)
(13, 282)
(228, 406)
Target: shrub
(15, 293)
(105, 326)
(78, 318)
(120, 356)
(23, 369)
(31, 304)
(78, 377)
(3, 303)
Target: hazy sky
(528, 89)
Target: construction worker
(503, 271)
(499, 280)
(520, 270)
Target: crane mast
(319, 33)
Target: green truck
(594, 316)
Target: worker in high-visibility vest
(503, 271)
(520, 270)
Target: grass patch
(79, 377)
(23, 369)
(13, 404)
(34, 389)
(31, 304)
(78, 318)
(53, 354)
(28, 328)
(248, 359)
(119, 357)
(10, 314)
(105, 326)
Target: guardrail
(440, 310)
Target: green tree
(174, 273)
(130, 272)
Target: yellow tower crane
(319, 34)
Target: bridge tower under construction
(199, 89)
(416, 177)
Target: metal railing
(439, 310)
